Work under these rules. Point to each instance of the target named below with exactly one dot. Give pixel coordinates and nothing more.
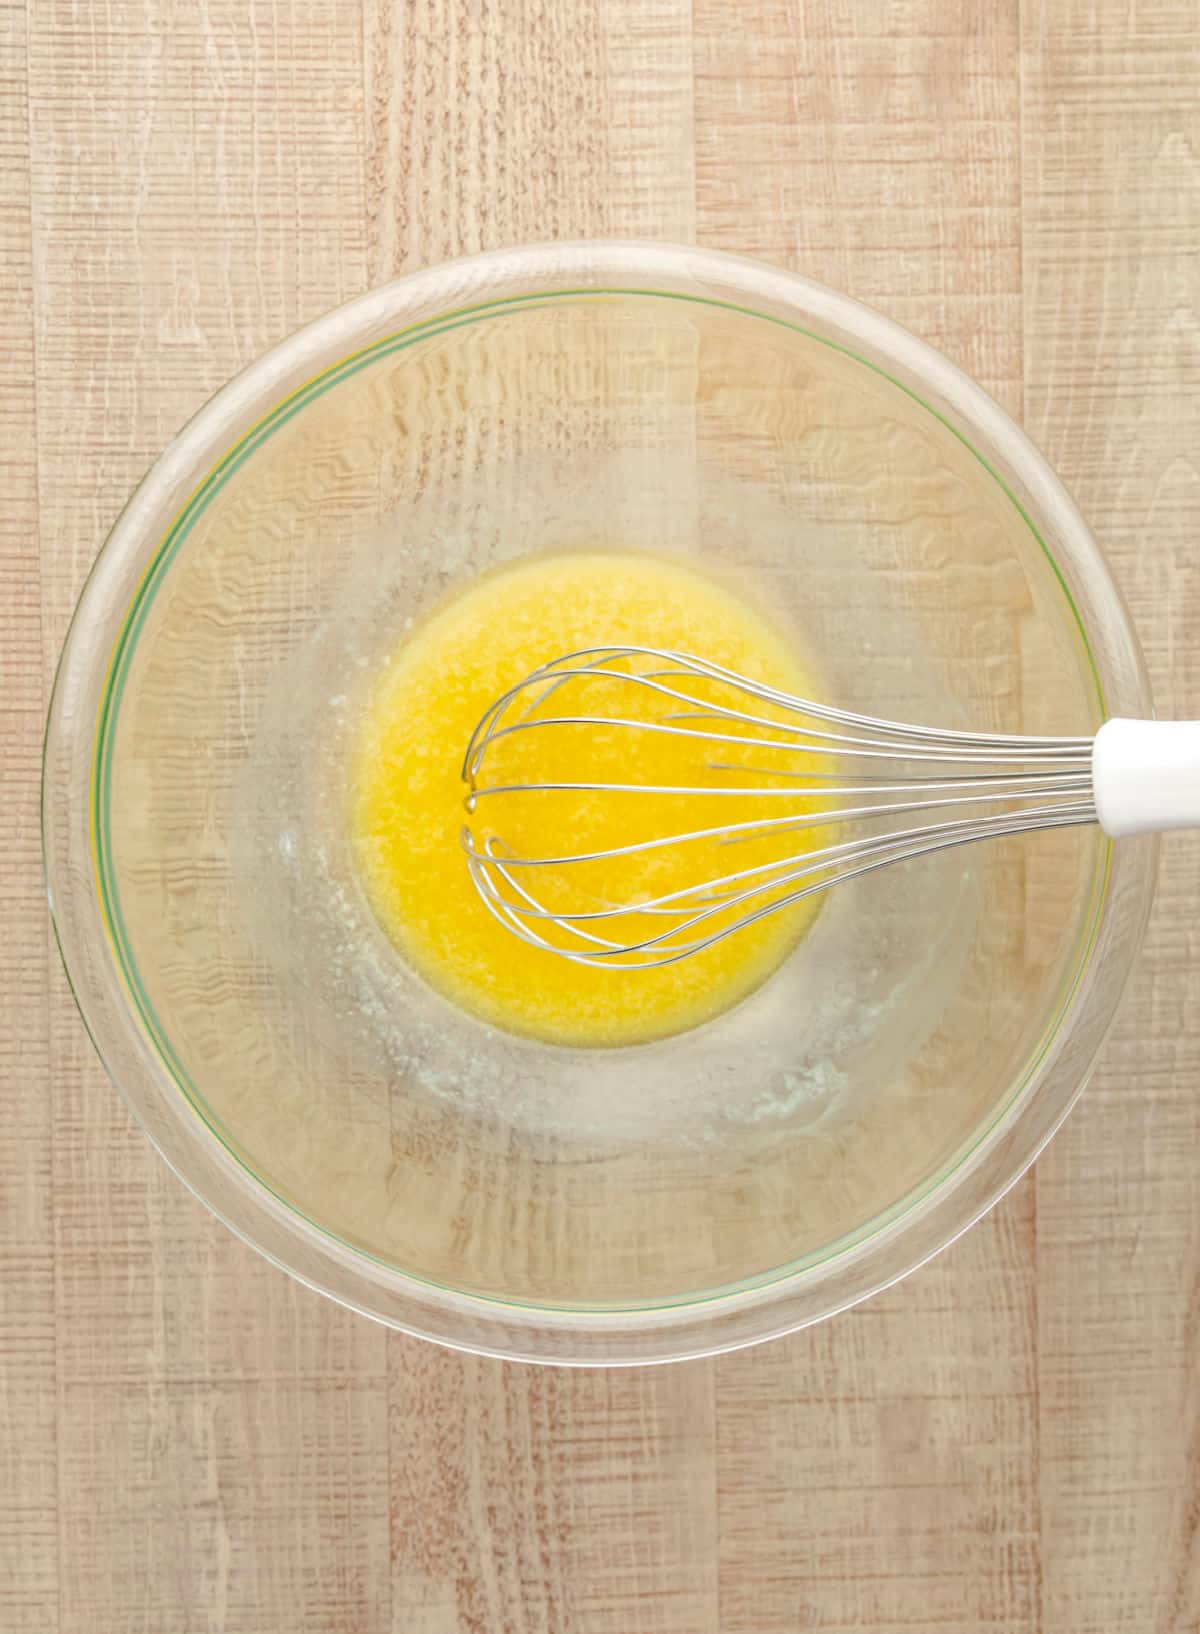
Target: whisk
(889, 791)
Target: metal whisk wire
(1025, 783)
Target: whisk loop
(888, 791)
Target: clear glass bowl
(698, 1193)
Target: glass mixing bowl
(665, 1200)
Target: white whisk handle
(1146, 776)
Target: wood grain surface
(1010, 1440)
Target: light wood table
(1010, 1440)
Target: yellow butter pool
(406, 811)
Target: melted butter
(406, 811)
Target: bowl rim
(705, 1324)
